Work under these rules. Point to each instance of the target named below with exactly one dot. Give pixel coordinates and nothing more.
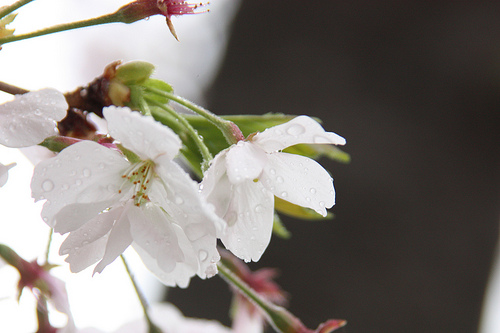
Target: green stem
(205, 152)
(9, 9)
(144, 304)
(109, 18)
(47, 249)
(230, 131)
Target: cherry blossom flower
(107, 202)
(169, 319)
(243, 180)
(30, 118)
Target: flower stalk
(152, 328)
(278, 317)
(6, 10)
(116, 17)
(231, 132)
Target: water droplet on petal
(86, 172)
(64, 252)
(203, 255)
(308, 199)
(78, 182)
(295, 129)
(272, 171)
(322, 204)
(179, 201)
(48, 185)
(312, 190)
(284, 194)
(279, 179)
(259, 209)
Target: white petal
(244, 162)
(179, 277)
(30, 118)
(163, 246)
(189, 209)
(120, 236)
(299, 180)
(154, 232)
(301, 129)
(4, 173)
(141, 134)
(86, 245)
(74, 216)
(215, 185)
(83, 173)
(250, 221)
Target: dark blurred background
(414, 87)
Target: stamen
(139, 174)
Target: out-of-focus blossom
(247, 317)
(140, 9)
(107, 201)
(44, 287)
(243, 180)
(30, 118)
(170, 320)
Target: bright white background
(65, 61)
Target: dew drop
(279, 179)
(308, 199)
(86, 172)
(101, 165)
(284, 194)
(259, 209)
(179, 201)
(295, 130)
(322, 204)
(78, 182)
(312, 190)
(65, 186)
(48, 185)
(203, 255)
(65, 252)
(272, 171)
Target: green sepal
(292, 210)
(279, 228)
(131, 156)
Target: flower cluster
(132, 192)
